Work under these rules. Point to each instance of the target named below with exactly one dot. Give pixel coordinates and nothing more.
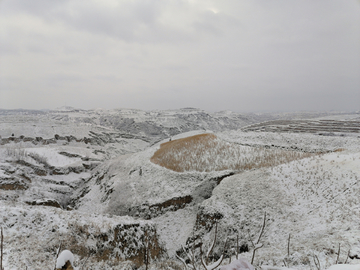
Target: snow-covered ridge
(295, 141)
(152, 124)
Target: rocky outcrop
(128, 241)
(48, 202)
(13, 183)
(93, 238)
(67, 266)
(147, 211)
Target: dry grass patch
(206, 152)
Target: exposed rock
(124, 241)
(48, 202)
(37, 170)
(28, 139)
(67, 266)
(151, 211)
(12, 184)
(69, 154)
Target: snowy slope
(32, 236)
(318, 193)
(315, 200)
(100, 163)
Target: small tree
(257, 244)
(190, 253)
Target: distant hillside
(149, 126)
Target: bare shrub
(167, 265)
(206, 153)
(18, 153)
(39, 158)
(1, 247)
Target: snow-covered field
(297, 141)
(110, 181)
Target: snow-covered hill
(99, 162)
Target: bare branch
(57, 254)
(317, 262)
(257, 246)
(218, 262)
(347, 257)
(252, 243)
(191, 257)
(214, 265)
(146, 244)
(213, 244)
(262, 228)
(337, 259)
(237, 247)
(255, 249)
(187, 254)
(2, 242)
(288, 247)
(193, 251)
(182, 260)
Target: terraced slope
(325, 127)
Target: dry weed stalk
(2, 242)
(147, 250)
(288, 246)
(237, 246)
(257, 245)
(57, 255)
(190, 253)
(338, 255)
(205, 261)
(317, 262)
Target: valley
(118, 186)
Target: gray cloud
(131, 21)
(239, 55)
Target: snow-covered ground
(315, 200)
(32, 236)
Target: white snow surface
(315, 200)
(240, 264)
(53, 158)
(64, 256)
(32, 234)
(136, 181)
(344, 267)
(303, 141)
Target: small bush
(18, 153)
(40, 159)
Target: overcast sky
(240, 55)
